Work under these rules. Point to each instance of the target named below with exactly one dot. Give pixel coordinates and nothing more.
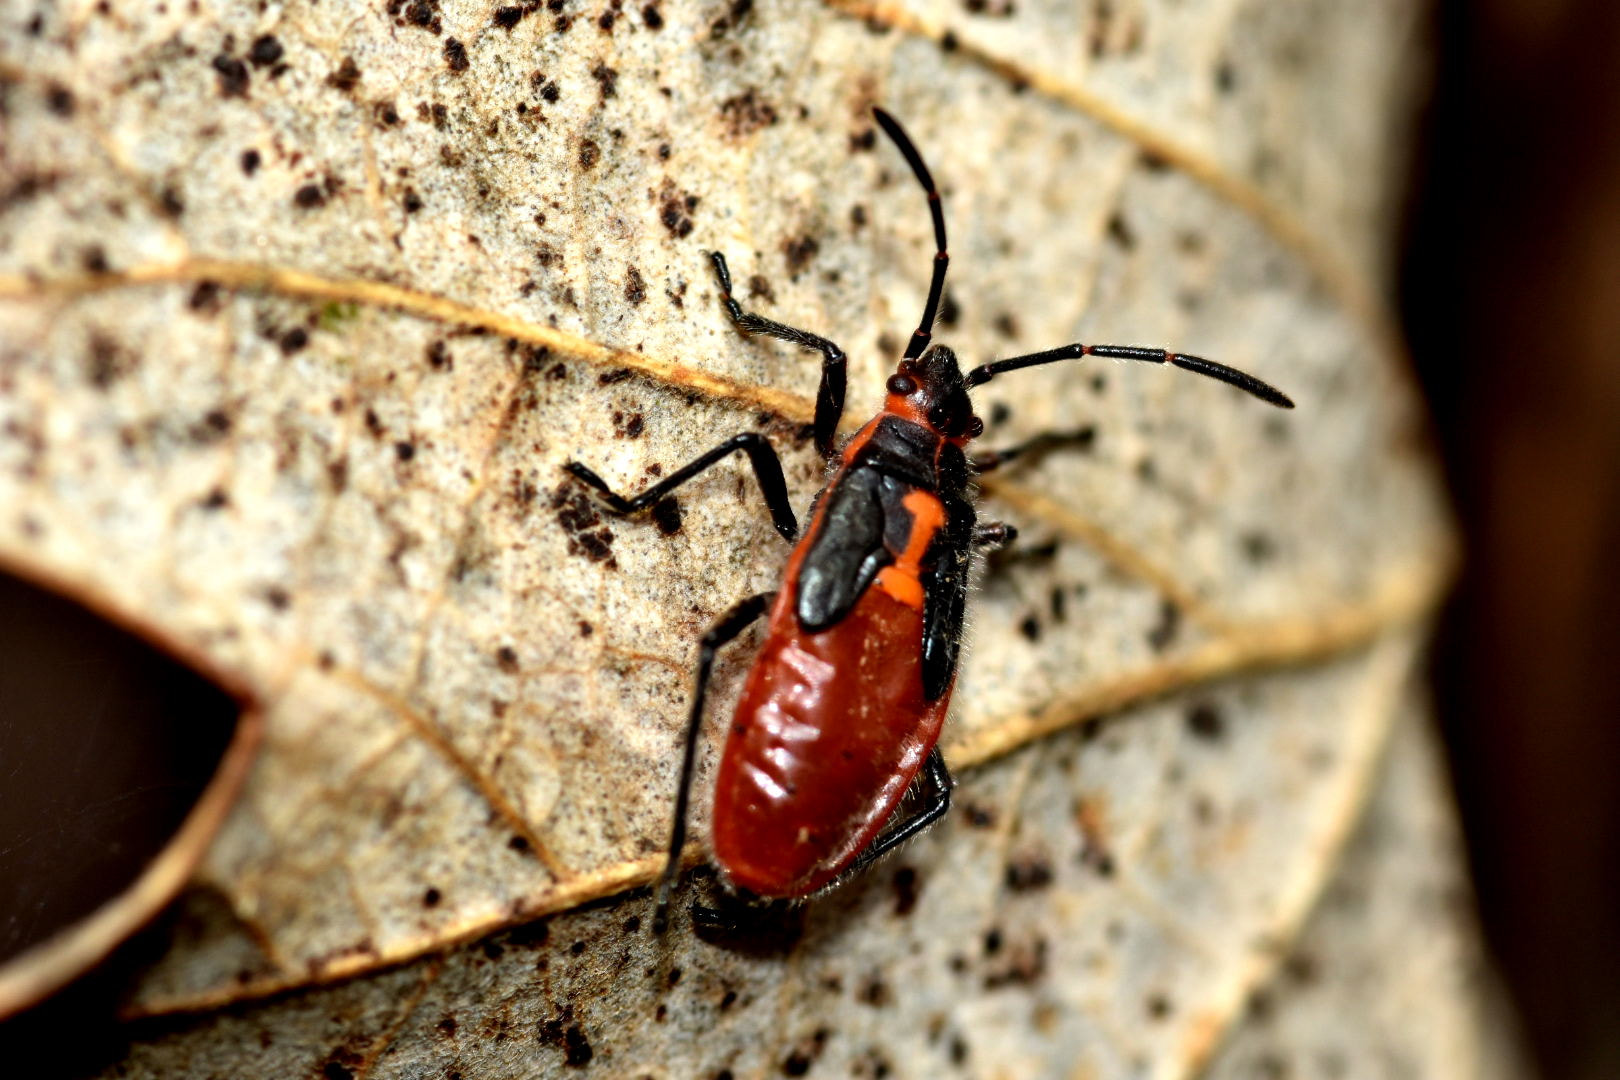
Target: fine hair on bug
(839, 719)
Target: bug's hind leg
(934, 783)
(761, 455)
(834, 364)
(732, 624)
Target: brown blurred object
(1511, 293)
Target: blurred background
(1510, 292)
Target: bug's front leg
(761, 455)
(834, 364)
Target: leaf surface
(294, 347)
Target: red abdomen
(830, 731)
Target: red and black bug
(841, 713)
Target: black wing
(847, 552)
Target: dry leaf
(303, 310)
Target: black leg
(1049, 440)
(834, 365)
(734, 622)
(936, 775)
(942, 258)
(993, 535)
(1197, 364)
(767, 470)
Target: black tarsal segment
(945, 580)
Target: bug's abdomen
(831, 728)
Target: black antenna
(1231, 376)
(936, 285)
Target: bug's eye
(902, 384)
(975, 427)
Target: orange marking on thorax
(903, 579)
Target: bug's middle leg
(733, 623)
(834, 364)
(1080, 438)
(761, 455)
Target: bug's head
(930, 391)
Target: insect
(841, 713)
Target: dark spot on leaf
(170, 202)
(1258, 547)
(666, 514)
(404, 451)
(589, 153)
(507, 658)
(1160, 637)
(906, 889)
(1158, 1006)
(617, 375)
(604, 21)
(94, 259)
(799, 251)
(652, 18)
(431, 898)
(1027, 873)
(1030, 627)
(106, 362)
(250, 161)
(508, 17)
(587, 535)
(294, 340)
(347, 77)
(455, 55)
(746, 113)
(635, 289)
(1120, 232)
(734, 15)
(265, 50)
(949, 42)
(577, 1050)
(59, 99)
(518, 843)
(309, 197)
(607, 80)
(233, 76)
(863, 140)
(205, 298)
(675, 209)
(1205, 721)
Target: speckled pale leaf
(293, 345)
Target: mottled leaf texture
(303, 308)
